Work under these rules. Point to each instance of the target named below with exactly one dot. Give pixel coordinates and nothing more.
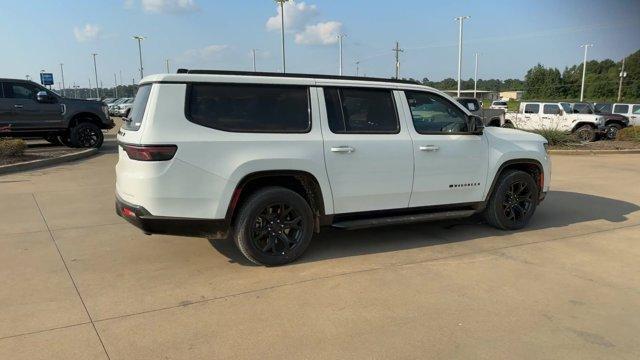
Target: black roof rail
(294, 75)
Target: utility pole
(475, 78)
(461, 20)
(397, 51)
(62, 75)
(75, 91)
(140, 38)
(281, 2)
(622, 76)
(253, 51)
(340, 36)
(584, 69)
(167, 63)
(357, 68)
(95, 69)
(115, 81)
(90, 86)
(28, 77)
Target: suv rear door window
(621, 109)
(250, 108)
(550, 109)
(531, 108)
(361, 111)
(636, 109)
(137, 109)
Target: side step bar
(401, 219)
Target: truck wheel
(585, 133)
(274, 226)
(508, 125)
(65, 139)
(611, 133)
(86, 135)
(513, 201)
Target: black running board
(402, 219)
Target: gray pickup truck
(490, 117)
(28, 109)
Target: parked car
(272, 158)
(557, 116)
(490, 117)
(631, 111)
(112, 106)
(612, 122)
(498, 104)
(28, 109)
(123, 108)
(107, 101)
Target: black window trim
(187, 106)
(437, 132)
(339, 88)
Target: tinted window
(550, 109)
(250, 108)
(636, 109)
(470, 104)
(582, 108)
(20, 91)
(500, 103)
(531, 108)
(137, 109)
(621, 109)
(362, 111)
(603, 108)
(432, 113)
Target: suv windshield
(566, 107)
(137, 110)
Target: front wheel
(513, 201)
(274, 226)
(86, 135)
(585, 133)
(611, 132)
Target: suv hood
(513, 135)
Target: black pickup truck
(490, 117)
(28, 109)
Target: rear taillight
(150, 152)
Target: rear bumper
(150, 224)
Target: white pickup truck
(557, 116)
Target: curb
(593, 152)
(35, 164)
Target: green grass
(512, 105)
(555, 137)
(631, 133)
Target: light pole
(461, 20)
(140, 38)
(281, 2)
(167, 63)
(475, 78)
(357, 68)
(340, 53)
(584, 69)
(95, 69)
(28, 77)
(62, 75)
(397, 50)
(253, 51)
(115, 81)
(623, 75)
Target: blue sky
(511, 36)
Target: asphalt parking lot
(80, 283)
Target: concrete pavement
(80, 283)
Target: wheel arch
(85, 116)
(581, 124)
(530, 166)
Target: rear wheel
(585, 133)
(513, 201)
(86, 135)
(274, 226)
(508, 124)
(611, 132)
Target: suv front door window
(450, 162)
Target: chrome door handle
(17, 106)
(343, 149)
(429, 148)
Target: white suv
(271, 158)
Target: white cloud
(324, 33)
(89, 32)
(296, 16)
(168, 6)
(207, 53)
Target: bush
(631, 133)
(12, 147)
(555, 137)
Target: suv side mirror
(476, 125)
(44, 97)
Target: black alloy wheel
(86, 135)
(277, 230)
(517, 201)
(513, 200)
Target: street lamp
(95, 69)
(253, 52)
(62, 75)
(461, 20)
(140, 38)
(340, 37)
(281, 2)
(584, 69)
(475, 78)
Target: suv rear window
(621, 109)
(531, 108)
(137, 109)
(249, 108)
(551, 109)
(361, 111)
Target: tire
(53, 139)
(585, 133)
(65, 140)
(260, 230)
(86, 135)
(511, 205)
(611, 133)
(508, 125)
